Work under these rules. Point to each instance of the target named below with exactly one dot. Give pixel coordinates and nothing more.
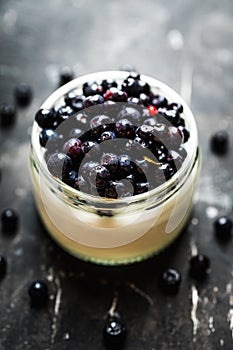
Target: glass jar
(115, 231)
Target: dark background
(187, 45)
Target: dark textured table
(186, 44)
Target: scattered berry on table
(199, 266)
(223, 228)
(7, 115)
(219, 142)
(10, 220)
(114, 334)
(23, 94)
(38, 293)
(169, 281)
(3, 266)
(66, 74)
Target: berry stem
(141, 293)
(152, 161)
(111, 311)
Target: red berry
(152, 110)
(108, 94)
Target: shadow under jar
(123, 230)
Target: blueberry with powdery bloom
(184, 131)
(174, 159)
(171, 115)
(144, 100)
(107, 135)
(99, 124)
(141, 187)
(130, 113)
(115, 95)
(87, 167)
(81, 184)
(145, 132)
(64, 113)
(90, 149)
(70, 178)
(91, 101)
(115, 189)
(176, 107)
(75, 133)
(159, 101)
(91, 89)
(98, 120)
(73, 147)
(134, 86)
(74, 101)
(124, 128)
(108, 84)
(109, 161)
(59, 165)
(99, 176)
(49, 135)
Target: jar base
(128, 254)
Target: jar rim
(159, 191)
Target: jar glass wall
(115, 231)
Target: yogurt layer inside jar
(114, 162)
